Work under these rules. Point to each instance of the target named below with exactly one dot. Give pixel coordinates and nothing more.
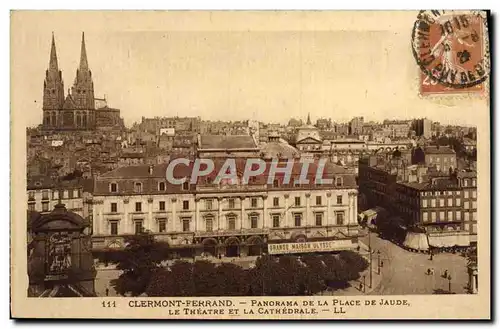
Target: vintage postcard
(250, 165)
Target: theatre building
(228, 219)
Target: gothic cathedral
(76, 111)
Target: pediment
(309, 140)
(69, 103)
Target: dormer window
(138, 187)
(276, 183)
(113, 187)
(185, 186)
(338, 181)
(161, 186)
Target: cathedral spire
(308, 118)
(84, 65)
(53, 56)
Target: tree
(311, 282)
(232, 280)
(157, 285)
(140, 258)
(265, 277)
(176, 281)
(205, 278)
(354, 260)
(336, 276)
(292, 280)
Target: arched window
(84, 121)
(161, 186)
(54, 119)
(78, 120)
(113, 187)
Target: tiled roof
(227, 142)
(40, 182)
(466, 174)
(273, 149)
(126, 176)
(438, 150)
(137, 171)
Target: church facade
(77, 109)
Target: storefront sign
(305, 247)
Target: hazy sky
(233, 67)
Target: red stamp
(452, 51)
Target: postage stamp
(450, 48)
(249, 165)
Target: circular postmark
(451, 47)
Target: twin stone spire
(82, 92)
(53, 65)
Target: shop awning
(417, 241)
(371, 214)
(449, 240)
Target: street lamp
(364, 283)
(378, 254)
(449, 283)
(370, 252)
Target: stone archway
(210, 247)
(299, 237)
(232, 247)
(255, 245)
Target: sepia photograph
(250, 165)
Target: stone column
(355, 201)
(148, 225)
(329, 214)
(242, 201)
(219, 213)
(98, 218)
(123, 228)
(265, 217)
(174, 220)
(197, 219)
(286, 215)
(351, 209)
(307, 217)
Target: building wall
(197, 213)
(442, 161)
(451, 208)
(44, 200)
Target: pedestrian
(358, 248)
(445, 274)
(381, 263)
(428, 271)
(432, 255)
(107, 292)
(360, 286)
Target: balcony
(245, 231)
(112, 213)
(218, 187)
